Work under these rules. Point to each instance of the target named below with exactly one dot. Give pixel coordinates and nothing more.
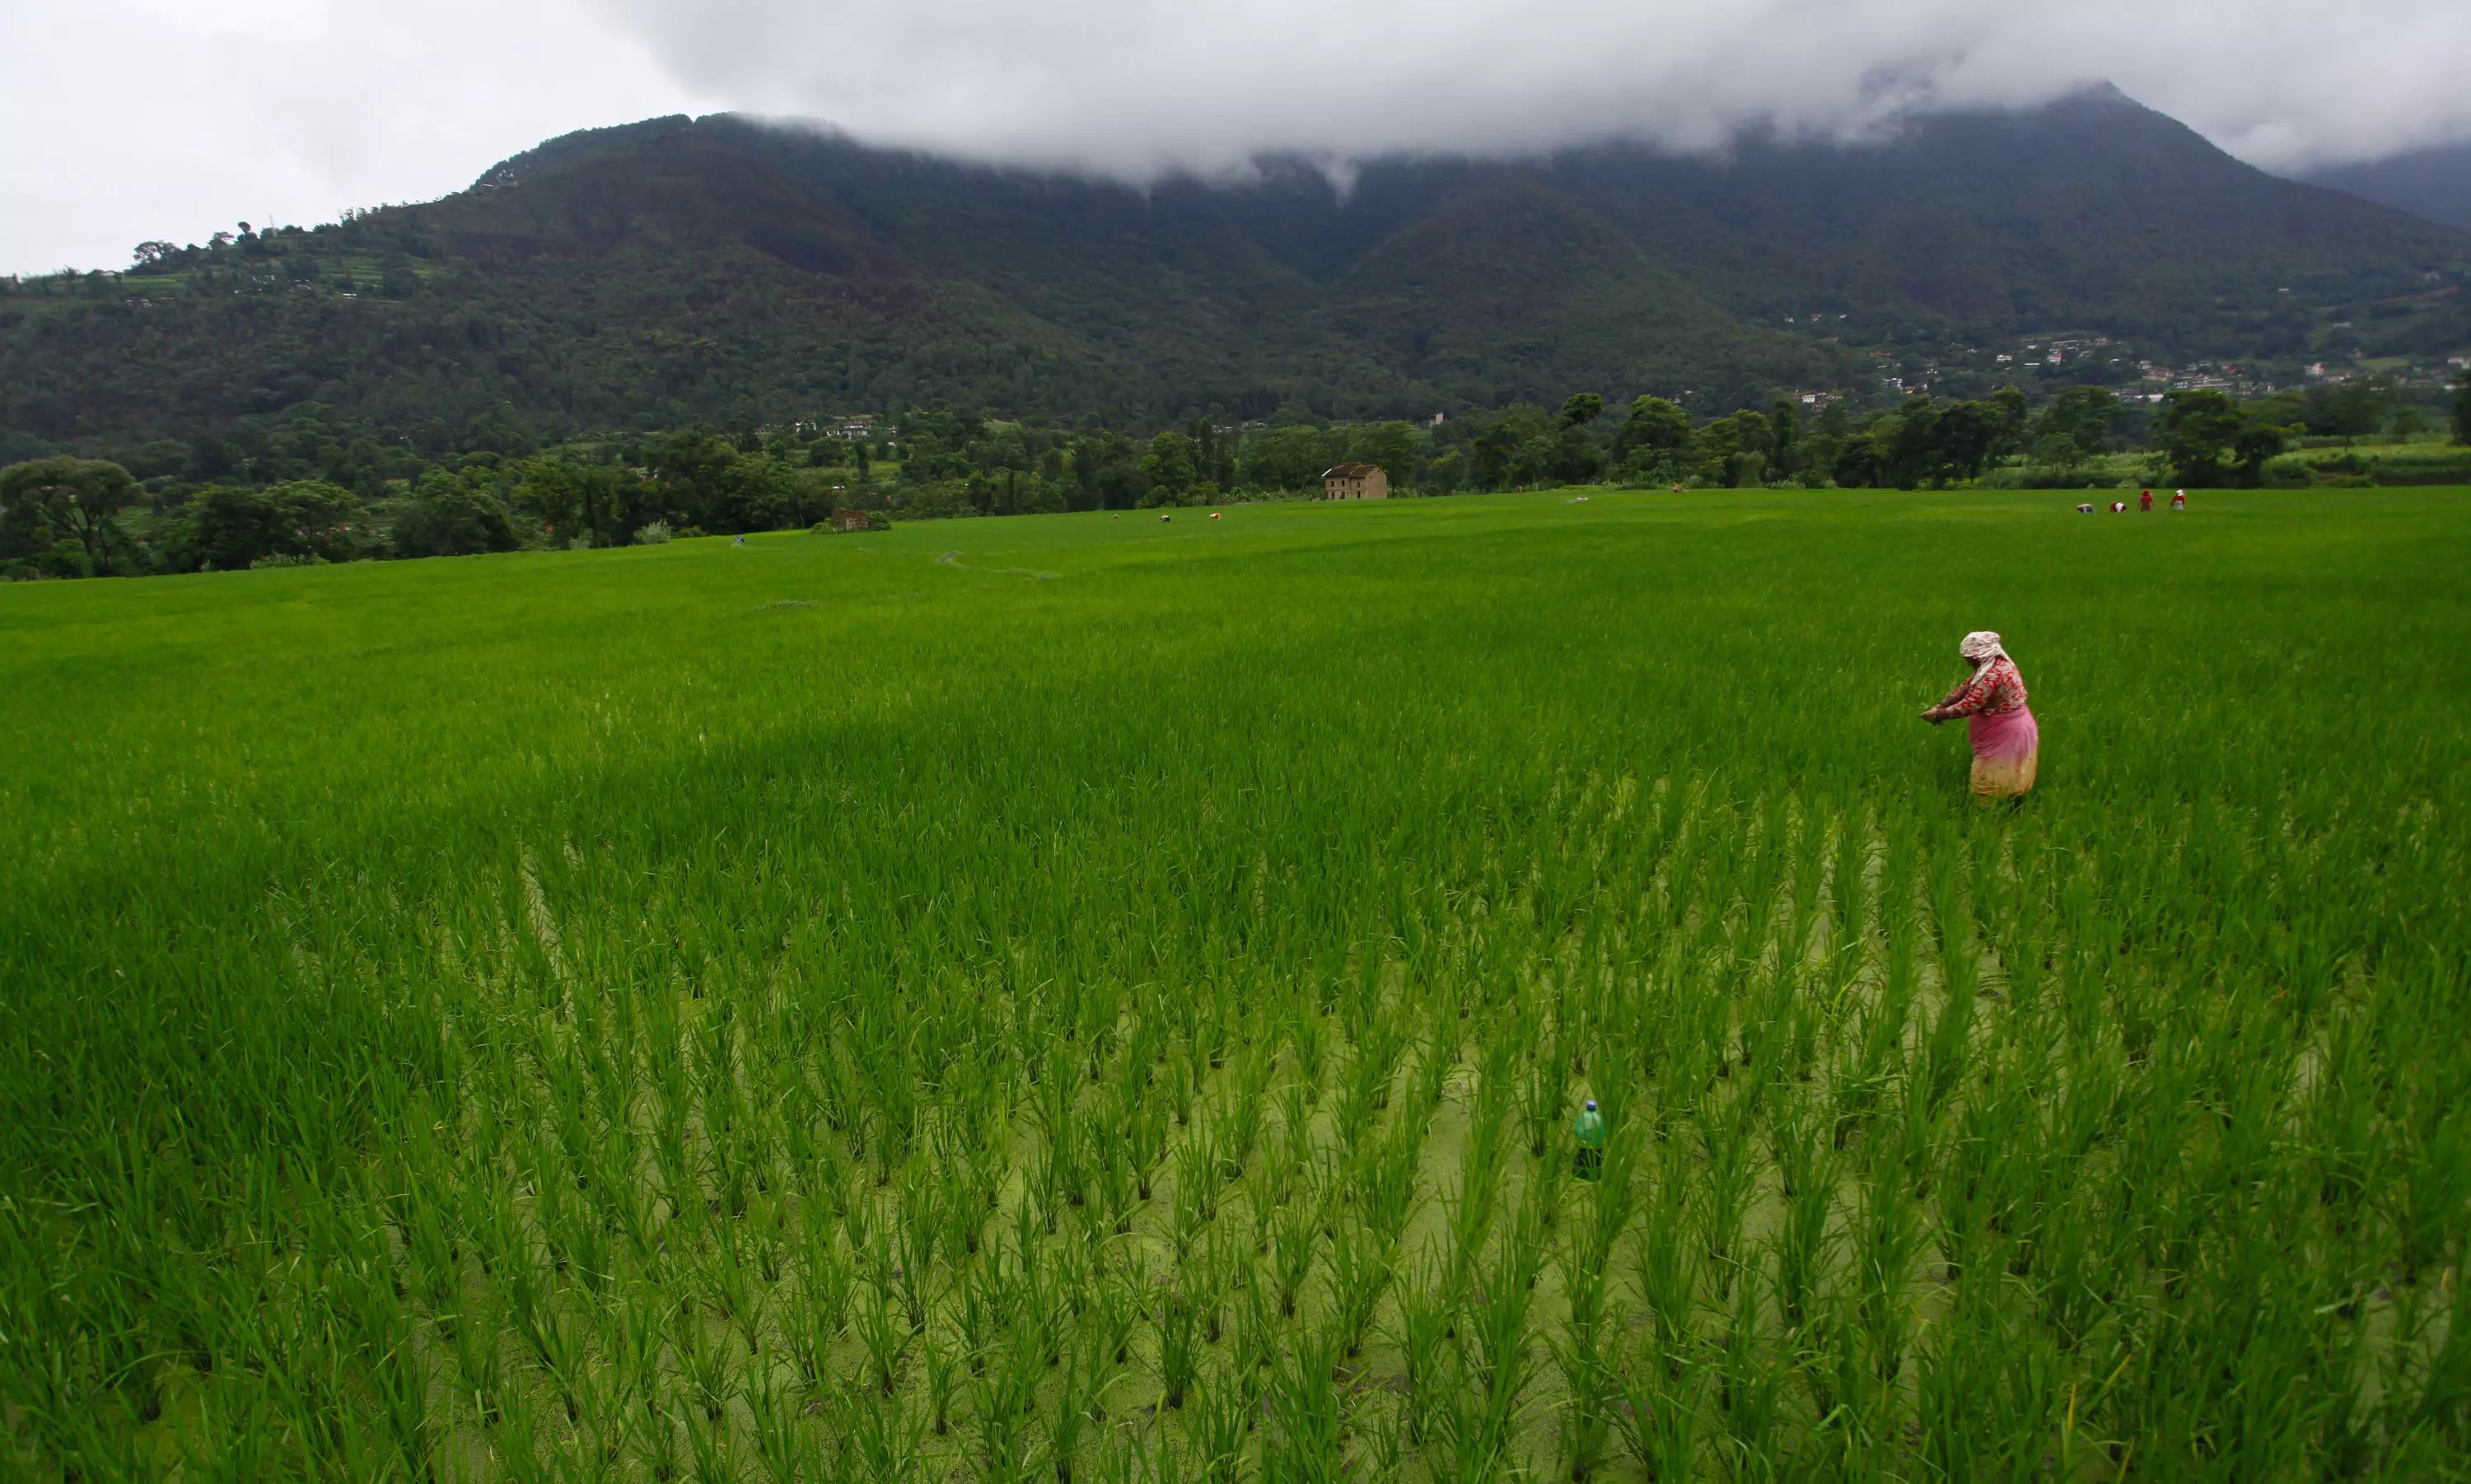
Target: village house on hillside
(1356, 482)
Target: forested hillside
(717, 269)
(2434, 182)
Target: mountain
(721, 269)
(2434, 182)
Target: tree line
(322, 488)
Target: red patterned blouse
(1996, 690)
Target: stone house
(1356, 482)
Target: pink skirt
(2004, 751)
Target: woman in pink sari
(2006, 743)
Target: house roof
(1351, 471)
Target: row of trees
(344, 495)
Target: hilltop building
(1356, 482)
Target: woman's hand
(1930, 713)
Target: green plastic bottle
(1590, 1130)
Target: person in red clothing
(2145, 500)
(2007, 742)
(2180, 500)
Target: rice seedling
(559, 1018)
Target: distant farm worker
(2084, 509)
(2118, 506)
(2180, 501)
(2006, 742)
(1590, 1130)
(2145, 502)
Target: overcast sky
(139, 119)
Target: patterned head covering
(1980, 647)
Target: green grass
(878, 1007)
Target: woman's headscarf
(1980, 647)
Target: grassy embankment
(1055, 993)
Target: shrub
(655, 534)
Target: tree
(1583, 408)
(2353, 410)
(1291, 456)
(1733, 453)
(1169, 468)
(448, 517)
(1786, 414)
(2193, 434)
(2462, 406)
(45, 501)
(553, 490)
(1861, 459)
(2008, 403)
(235, 528)
(1914, 448)
(1575, 459)
(2075, 427)
(1511, 446)
(1654, 431)
(1393, 446)
(1967, 433)
(2256, 442)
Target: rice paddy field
(1089, 999)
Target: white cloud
(148, 118)
(154, 119)
(1136, 85)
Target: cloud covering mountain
(154, 119)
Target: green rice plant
(1002, 1397)
(1077, 1388)
(885, 1331)
(539, 1009)
(1175, 1329)
(1255, 1333)
(882, 1442)
(1749, 1387)
(1385, 1188)
(1218, 1421)
(1495, 1357)
(781, 1446)
(1590, 1391)
(1196, 1188)
(1668, 1262)
(1658, 1413)
(1303, 1429)
(1360, 1266)
(1436, 1058)
(1886, 1235)
(1115, 1311)
(1475, 1427)
(943, 1367)
(1295, 1234)
(1422, 1334)
(916, 1227)
(1544, 1092)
